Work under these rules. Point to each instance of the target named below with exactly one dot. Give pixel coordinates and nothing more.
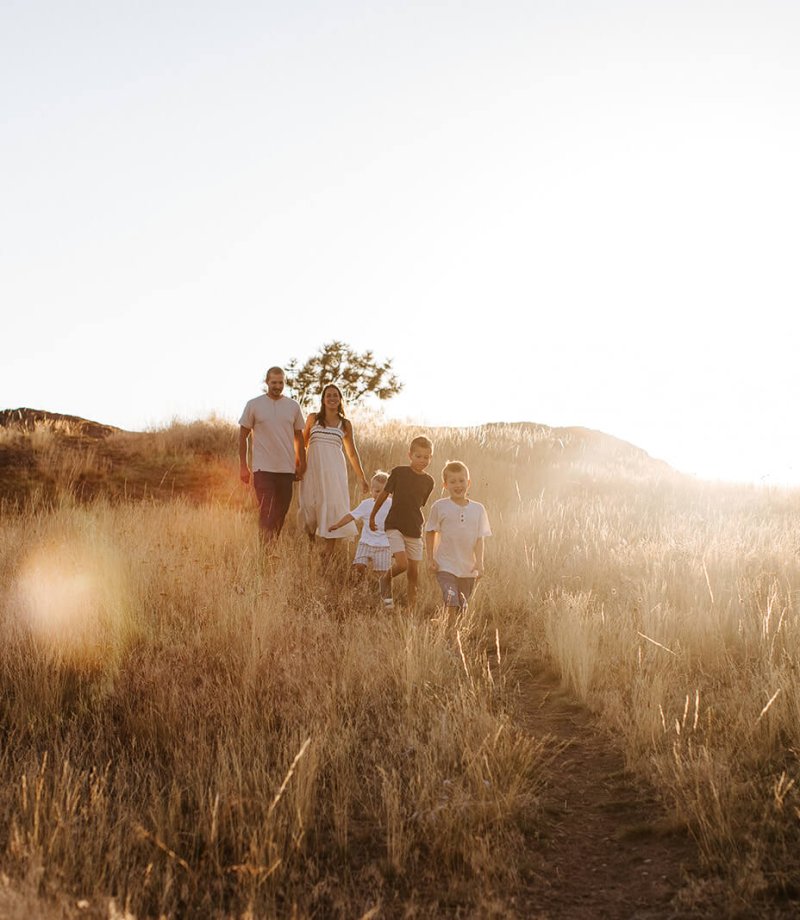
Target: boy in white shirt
(454, 536)
(373, 545)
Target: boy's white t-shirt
(362, 512)
(459, 528)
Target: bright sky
(580, 212)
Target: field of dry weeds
(192, 730)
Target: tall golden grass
(192, 729)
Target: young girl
(374, 545)
(454, 536)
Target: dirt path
(607, 849)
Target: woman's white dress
(324, 497)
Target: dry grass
(194, 731)
(680, 625)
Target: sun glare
(71, 600)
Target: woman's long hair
(321, 413)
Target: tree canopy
(357, 374)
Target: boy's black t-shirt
(409, 491)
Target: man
(275, 424)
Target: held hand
(433, 565)
(372, 525)
(364, 487)
(478, 572)
(244, 475)
(334, 527)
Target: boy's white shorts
(381, 557)
(400, 543)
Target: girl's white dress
(324, 497)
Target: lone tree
(357, 375)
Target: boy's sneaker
(388, 603)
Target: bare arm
(430, 545)
(244, 471)
(479, 557)
(352, 455)
(376, 508)
(299, 455)
(341, 522)
(309, 425)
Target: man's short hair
(421, 441)
(454, 466)
(275, 370)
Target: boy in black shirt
(410, 486)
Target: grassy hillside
(197, 731)
(46, 456)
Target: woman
(324, 496)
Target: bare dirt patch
(606, 847)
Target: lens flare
(71, 598)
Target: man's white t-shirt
(273, 423)
(459, 528)
(362, 512)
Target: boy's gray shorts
(455, 591)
